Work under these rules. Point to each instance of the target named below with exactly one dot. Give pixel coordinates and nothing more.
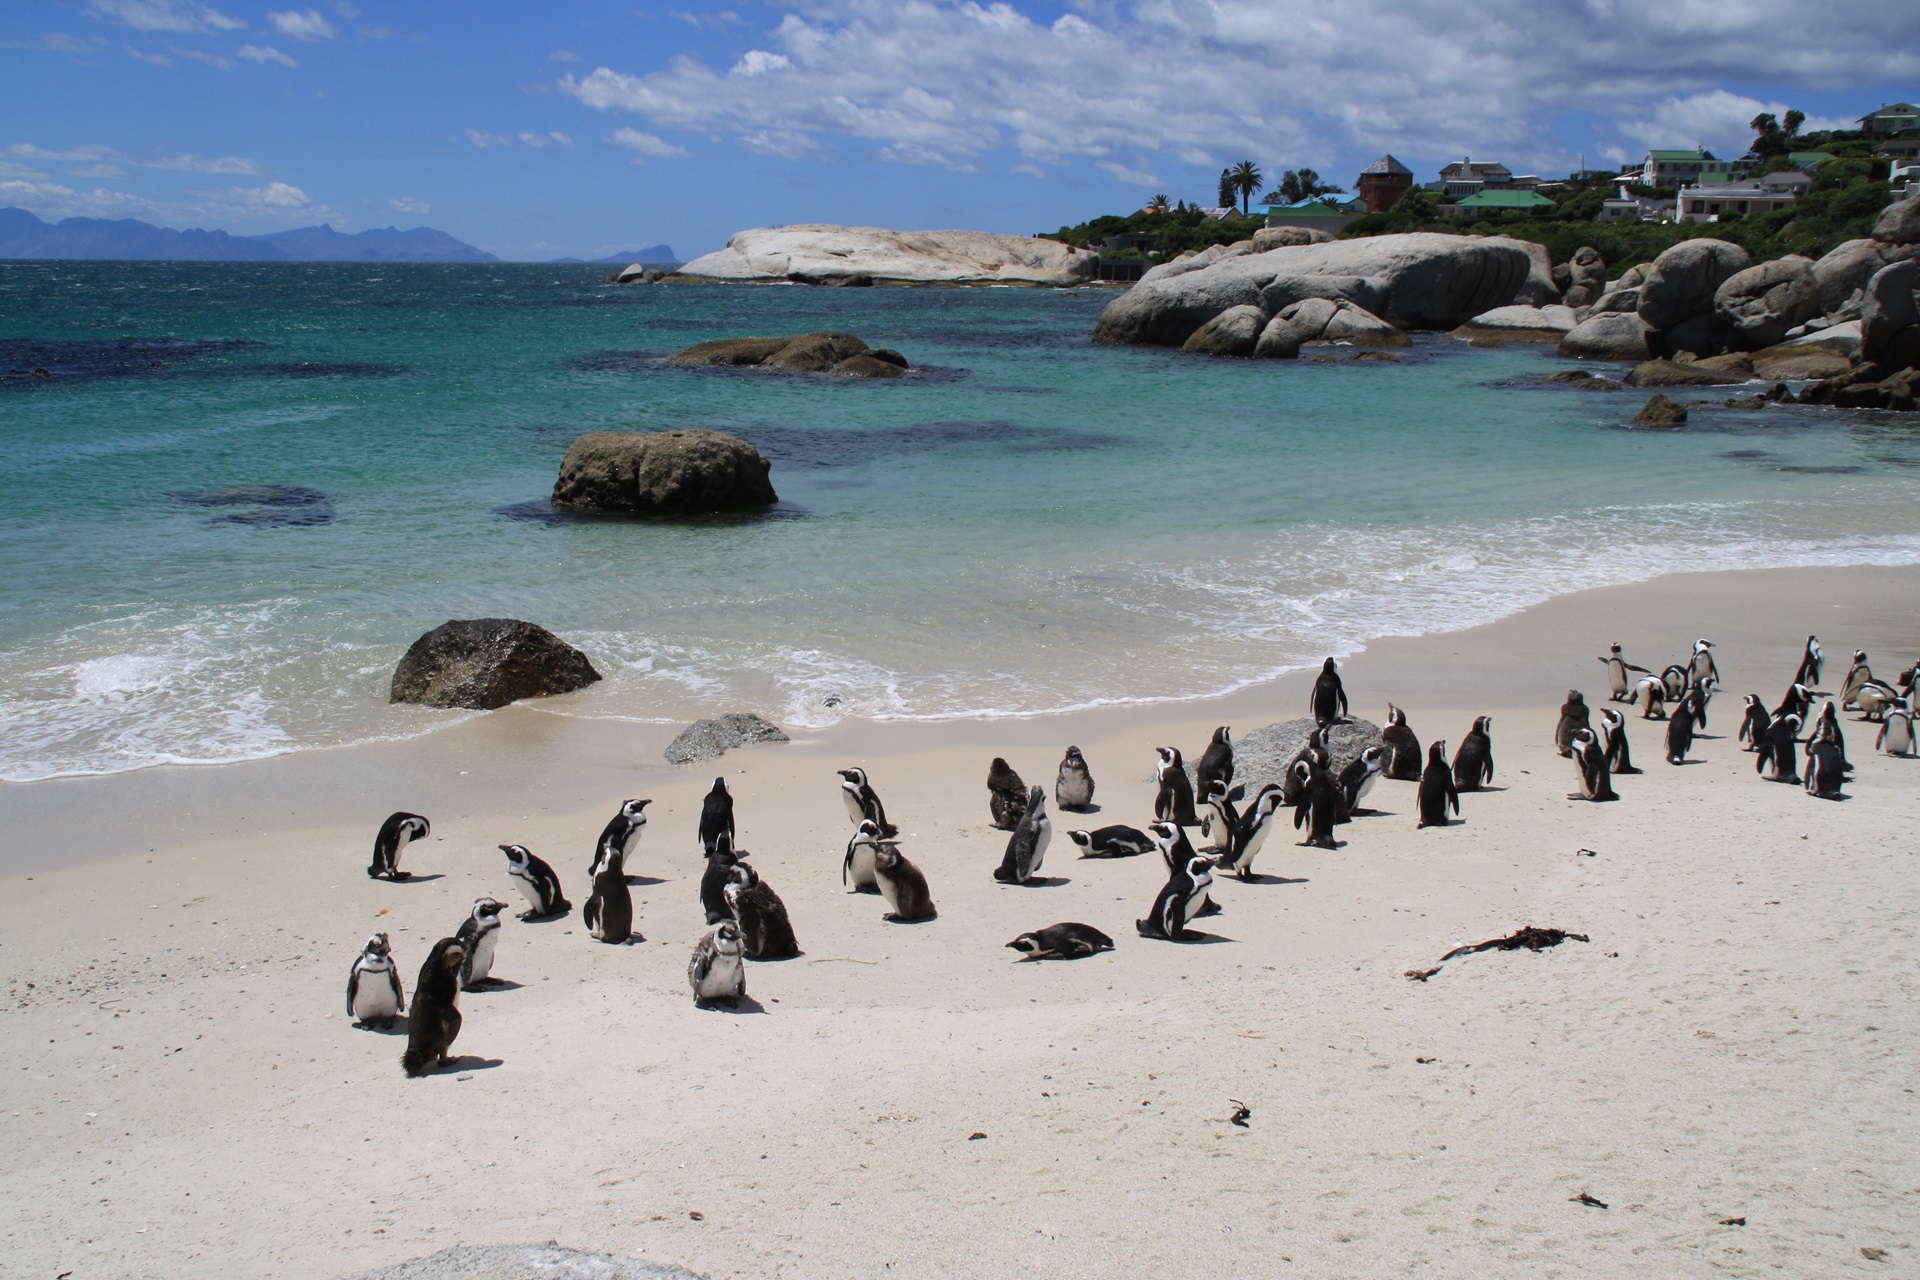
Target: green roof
(1685, 156)
(1506, 200)
(1305, 209)
(1808, 159)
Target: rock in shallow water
(710, 739)
(478, 664)
(1661, 412)
(688, 472)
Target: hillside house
(1485, 203)
(1710, 204)
(1318, 214)
(1382, 183)
(1680, 168)
(1891, 120)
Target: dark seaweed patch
(26, 362)
(657, 362)
(281, 517)
(1822, 471)
(813, 447)
(276, 506)
(536, 511)
(319, 369)
(1744, 455)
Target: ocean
(243, 489)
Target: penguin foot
(400, 875)
(1629, 771)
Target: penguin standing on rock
(863, 802)
(434, 1020)
(373, 985)
(1437, 791)
(1006, 795)
(479, 933)
(1328, 702)
(1112, 842)
(718, 969)
(1573, 718)
(1173, 802)
(1618, 682)
(765, 931)
(1590, 758)
(1473, 762)
(902, 885)
(608, 913)
(398, 831)
(1073, 786)
(1754, 723)
(1613, 737)
(1403, 748)
(1216, 761)
(622, 831)
(856, 868)
(536, 882)
(1027, 846)
(716, 817)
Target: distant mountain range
(22, 235)
(652, 253)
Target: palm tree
(1245, 178)
(1158, 204)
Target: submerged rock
(482, 663)
(822, 253)
(1665, 373)
(1549, 323)
(804, 353)
(1661, 412)
(688, 472)
(710, 739)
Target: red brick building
(1382, 183)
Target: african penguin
(1359, 776)
(1674, 681)
(479, 933)
(1027, 846)
(1256, 823)
(1810, 662)
(1857, 674)
(1006, 795)
(1753, 726)
(713, 881)
(1180, 900)
(1651, 694)
(1403, 748)
(1826, 773)
(1896, 731)
(1618, 684)
(622, 830)
(1826, 728)
(718, 968)
(1216, 761)
(716, 817)
(1111, 842)
(1328, 702)
(536, 881)
(433, 1020)
(765, 931)
(395, 834)
(1701, 669)
(1590, 759)
(857, 867)
(373, 985)
(1218, 817)
(1473, 762)
(1318, 808)
(902, 885)
(1066, 941)
(1779, 750)
(1613, 737)
(1437, 790)
(863, 802)
(608, 913)
(1573, 718)
(1316, 751)
(1173, 802)
(1874, 698)
(1073, 785)
(1686, 717)
(1797, 701)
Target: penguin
(608, 913)
(713, 881)
(1896, 731)
(1027, 846)
(1216, 761)
(1826, 771)
(902, 885)
(718, 969)
(1318, 807)
(1066, 941)
(1218, 817)
(537, 882)
(1403, 748)
(1256, 823)
(716, 817)
(1316, 751)
(623, 830)
(1437, 790)
(1778, 749)
(1111, 842)
(765, 931)
(1171, 839)
(1473, 762)
(1358, 777)
(1006, 795)
(479, 933)
(1617, 668)
(1810, 663)
(1613, 738)
(1700, 668)
(1073, 785)
(1675, 681)
(373, 985)
(1857, 674)
(1590, 758)
(1873, 698)
(1703, 695)
(433, 1020)
(1686, 715)
(1753, 725)
(857, 868)
(1826, 728)
(1573, 718)
(1328, 702)
(1180, 901)
(863, 802)
(1174, 801)
(398, 831)
(1651, 694)
(1797, 701)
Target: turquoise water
(1026, 523)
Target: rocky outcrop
(1611, 335)
(1794, 364)
(1234, 332)
(1763, 302)
(1421, 280)
(1283, 237)
(1309, 317)
(1264, 755)
(688, 472)
(1581, 380)
(1888, 307)
(819, 253)
(482, 663)
(1661, 412)
(1899, 223)
(1869, 385)
(1683, 280)
(836, 353)
(638, 273)
(1278, 341)
(1520, 324)
(1665, 373)
(1588, 273)
(1538, 289)
(710, 739)
(1355, 327)
(1845, 270)
(1707, 334)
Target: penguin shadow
(1197, 938)
(549, 918)
(470, 1062)
(644, 881)
(737, 1005)
(397, 1028)
(411, 878)
(1089, 807)
(1481, 790)
(492, 985)
(1260, 877)
(1045, 882)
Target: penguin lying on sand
(1067, 941)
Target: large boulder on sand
(1422, 280)
(1764, 301)
(1520, 324)
(1847, 267)
(820, 253)
(1610, 335)
(1278, 341)
(1888, 307)
(1588, 273)
(688, 472)
(1899, 222)
(482, 663)
(1234, 332)
(1683, 280)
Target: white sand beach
(1736, 1042)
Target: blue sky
(542, 128)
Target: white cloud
(563, 55)
(536, 141)
(1207, 82)
(645, 144)
(407, 204)
(164, 15)
(1122, 173)
(264, 53)
(309, 26)
(195, 55)
(275, 195)
(58, 42)
(1716, 120)
(1031, 170)
(152, 59)
(97, 155)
